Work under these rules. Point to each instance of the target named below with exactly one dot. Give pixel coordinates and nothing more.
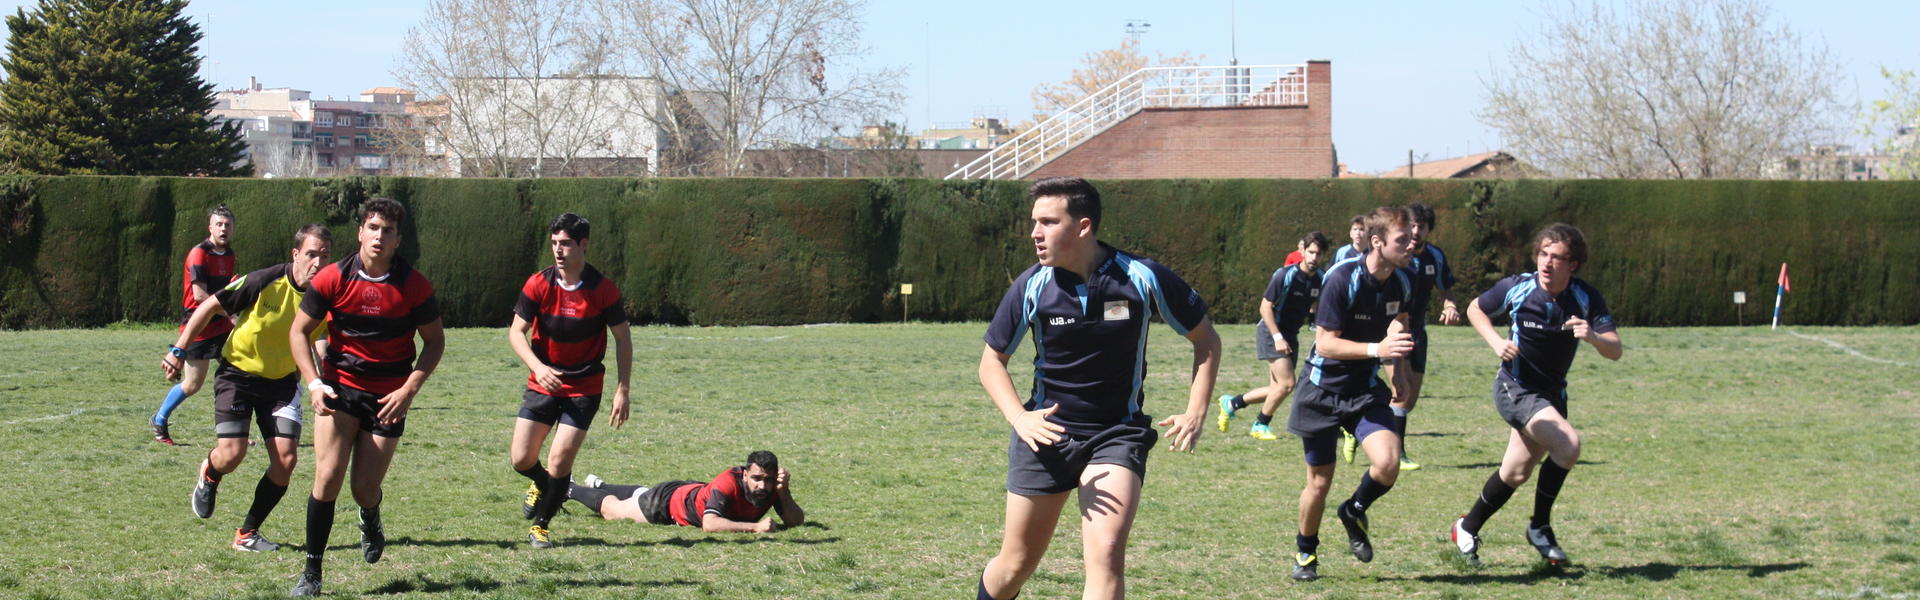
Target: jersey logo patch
(1429, 269)
(1060, 321)
(370, 302)
(1393, 308)
(1316, 293)
(1117, 311)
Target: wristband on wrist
(176, 351)
(317, 385)
(1373, 350)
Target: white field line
(1855, 353)
(26, 373)
(744, 339)
(75, 412)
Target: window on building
(325, 160)
(325, 140)
(370, 161)
(323, 119)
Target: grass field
(1718, 463)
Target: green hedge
(85, 251)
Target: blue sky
(1406, 73)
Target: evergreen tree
(111, 87)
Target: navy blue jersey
(1429, 270)
(1539, 327)
(1292, 292)
(1360, 307)
(1345, 252)
(1090, 337)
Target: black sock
(537, 474)
(266, 495)
(1400, 429)
(1237, 401)
(589, 496)
(983, 595)
(1364, 495)
(1493, 495)
(621, 491)
(553, 494)
(319, 528)
(1306, 543)
(1263, 419)
(213, 472)
(1546, 490)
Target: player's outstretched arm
(623, 365)
(170, 364)
(1185, 428)
(1032, 425)
(715, 523)
(1483, 324)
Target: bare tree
(284, 159)
(745, 74)
(522, 81)
(1894, 124)
(1662, 89)
(1100, 69)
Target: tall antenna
(1137, 28)
(1233, 32)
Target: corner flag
(1780, 294)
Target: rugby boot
(1548, 547)
(1467, 543)
(1356, 525)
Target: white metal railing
(1152, 87)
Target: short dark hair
(1359, 219)
(220, 210)
(1566, 234)
(385, 207)
(1083, 202)
(1384, 218)
(1316, 239)
(311, 230)
(576, 226)
(765, 460)
(1422, 214)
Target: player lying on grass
(737, 499)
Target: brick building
(1222, 121)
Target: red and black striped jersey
(570, 327)
(212, 269)
(723, 496)
(370, 322)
